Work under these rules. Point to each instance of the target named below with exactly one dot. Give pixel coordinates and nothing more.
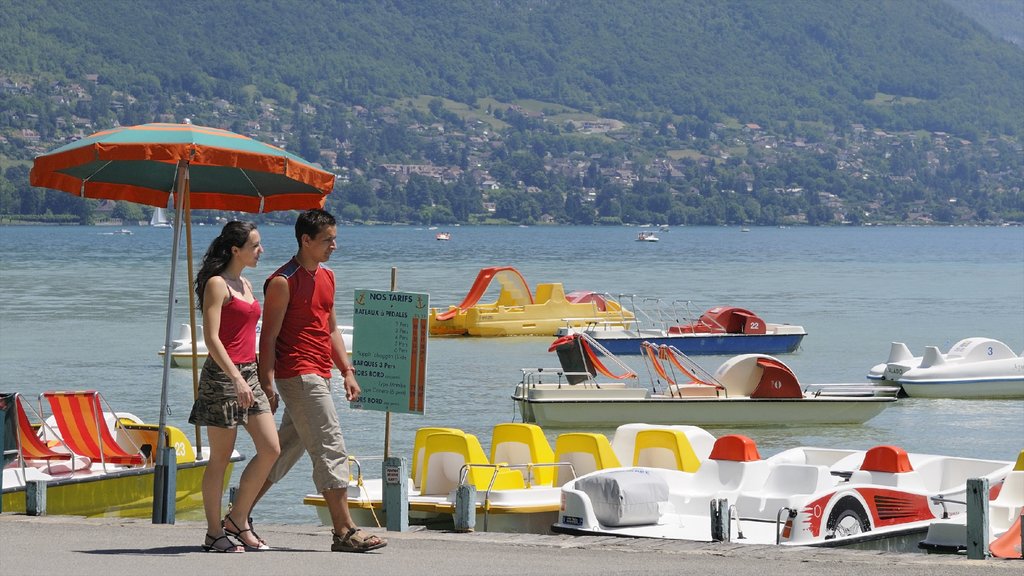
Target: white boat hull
(702, 411)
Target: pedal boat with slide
(746, 390)
(94, 461)
(882, 498)
(519, 312)
(518, 487)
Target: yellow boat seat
(586, 451)
(664, 448)
(444, 457)
(418, 446)
(520, 443)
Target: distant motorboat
(647, 237)
(181, 347)
(159, 219)
(973, 368)
(443, 236)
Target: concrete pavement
(62, 544)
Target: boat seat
(33, 451)
(83, 428)
(664, 448)
(887, 466)
(734, 465)
(418, 447)
(586, 452)
(444, 456)
(1006, 507)
(787, 485)
(517, 443)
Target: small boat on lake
(519, 312)
(95, 462)
(445, 236)
(181, 347)
(518, 487)
(647, 237)
(806, 496)
(720, 330)
(159, 219)
(974, 368)
(746, 390)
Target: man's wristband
(348, 370)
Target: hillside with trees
(695, 112)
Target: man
(299, 344)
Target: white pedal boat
(518, 487)
(799, 497)
(973, 368)
(181, 347)
(746, 390)
(949, 536)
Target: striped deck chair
(31, 448)
(84, 429)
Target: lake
(84, 308)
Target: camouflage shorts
(217, 404)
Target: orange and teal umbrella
(226, 171)
(201, 168)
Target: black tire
(847, 518)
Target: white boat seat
(1006, 507)
(787, 485)
(888, 466)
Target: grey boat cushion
(625, 497)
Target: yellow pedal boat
(518, 312)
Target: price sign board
(390, 350)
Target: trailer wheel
(847, 518)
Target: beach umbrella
(200, 168)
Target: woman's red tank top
(238, 321)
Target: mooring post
(396, 494)
(165, 479)
(465, 508)
(721, 531)
(977, 518)
(35, 497)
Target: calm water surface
(83, 308)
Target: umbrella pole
(192, 316)
(165, 472)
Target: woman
(229, 391)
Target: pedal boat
(881, 498)
(974, 368)
(77, 485)
(949, 535)
(746, 390)
(181, 347)
(518, 487)
(720, 330)
(518, 312)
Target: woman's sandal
(260, 543)
(211, 544)
(357, 540)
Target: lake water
(83, 308)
